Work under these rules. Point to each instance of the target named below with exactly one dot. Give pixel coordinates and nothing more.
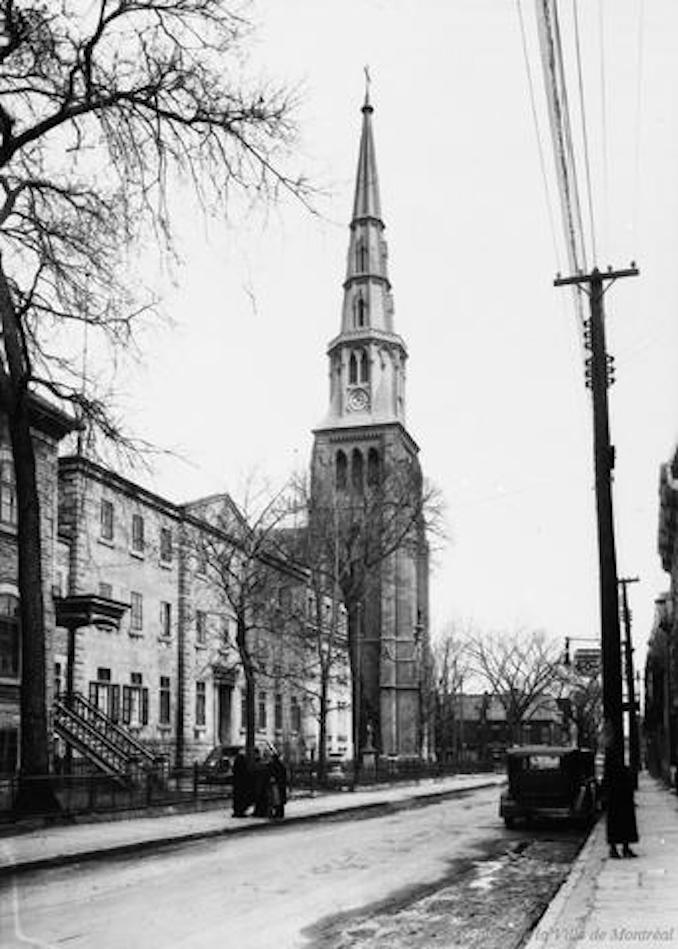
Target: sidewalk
(621, 902)
(56, 846)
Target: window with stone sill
(10, 650)
(136, 613)
(135, 702)
(106, 520)
(8, 509)
(200, 704)
(164, 701)
(165, 545)
(137, 534)
(200, 627)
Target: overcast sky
(496, 399)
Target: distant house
(478, 729)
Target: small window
(106, 591)
(136, 612)
(103, 675)
(261, 712)
(200, 626)
(166, 545)
(200, 704)
(9, 636)
(164, 701)
(166, 620)
(278, 714)
(137, 533)
(8, 513)
(295, 714)
(106, 519)
(135, 702)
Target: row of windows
(107, 532)
(137, 615)
(358, 475)
(261, 709)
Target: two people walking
(261, 782)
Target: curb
(157, 843)
(548, 922)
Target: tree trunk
(35, 794)
(322, 749)
(248, 671)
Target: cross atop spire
(368, 82)
(366, 202)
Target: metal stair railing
(98, 737)
(79, 734)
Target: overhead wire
(538, 134)
(584, 132)
(603, 121)
(563, 151)
(639, 85)
(567, 128)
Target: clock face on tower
(358, 400)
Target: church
(365, 467)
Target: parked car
(217, 768)
(550, 783)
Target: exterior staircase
(96, 737)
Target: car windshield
(544, 763)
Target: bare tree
(351, 536)
(244, 561)
(318, 636)
(451, 668)
(105, 106)
(522, 670)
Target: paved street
(429, 875)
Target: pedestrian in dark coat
(278, 773)
(260, 777)
(242, 785)
(621, 811)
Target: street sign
(587, 661)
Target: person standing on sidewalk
(621, 811)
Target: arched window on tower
(357, 476)
(352, 369)
(341, 471)
(361, 256)
(373, 468)
(364, 367)
(359, 311)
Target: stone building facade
(364, 459)
(170, 671)
(48, 427)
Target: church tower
(364, 460)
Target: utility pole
(599, 377)
(634, 743)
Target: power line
(584, 133)
(537, 131)
(603, 120)
(639, 81)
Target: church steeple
(367, 359)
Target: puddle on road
(486, 874)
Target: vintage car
(550, 783)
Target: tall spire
(366, 202)
(367, 358)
